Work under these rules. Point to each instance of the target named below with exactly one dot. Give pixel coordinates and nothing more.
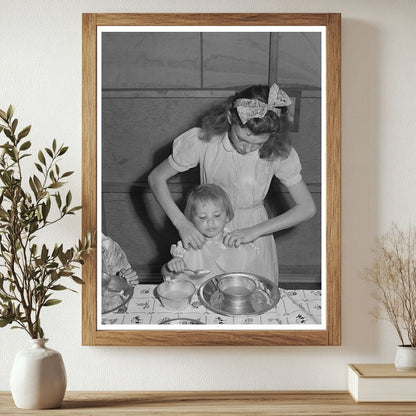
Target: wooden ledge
(204, 403)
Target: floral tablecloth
(295, 307)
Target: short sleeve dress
(245, 178)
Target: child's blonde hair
(208, 192)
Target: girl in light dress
(209, 209)
(240, 147)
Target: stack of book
(381, 383)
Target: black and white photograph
(210, 198)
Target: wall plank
(242, 60)
(299, 59)
(146, 60)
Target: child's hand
(190, 236)
(237, 237)
(176, 265)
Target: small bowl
(117, 284)
(236, 289)
(196, 280)
(175, 295)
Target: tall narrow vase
(38, 377)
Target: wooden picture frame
(330, 334)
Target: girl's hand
(176, 265)
(190, 236)
(243, 236)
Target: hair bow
(248, 109)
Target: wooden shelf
(221, 403)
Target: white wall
(40, 74)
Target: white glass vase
(405, 358)
(38, 377)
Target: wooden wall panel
(240, 61)
(149, 60)
(138, 133)
(307, 141)
(301, 245)
(299, 58)
(141, 228)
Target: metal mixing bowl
(236, 289)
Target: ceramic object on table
(38, 377)
(175, 295)
(117, 284)
(405, 359)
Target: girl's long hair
(215, 123)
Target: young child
(240, 148)
(209, 209)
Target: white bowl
(175, 295)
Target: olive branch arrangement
(30, 273)
(393, 277)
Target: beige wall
(41, 76)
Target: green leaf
(77, 208)
(14, 125)
(58, 199)
(59, 287)
(61, 256)
(25, 145)
(5, 321)
(10, 112)
(63, 150)
(41, 158)
(37, 182)
(68, 198)
(56, 185)
(39, 167)
(24, 132)
(40, 332)
(49, 152)
(54, 145)
(8, 133)
(34, 249)
(51, 302)
(25, 155)
(3, 115)
(44, 253)
(78, 280)
(33, 187)
(45, 211)
(67, 174)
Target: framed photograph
(211, 172)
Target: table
(295, 307)
(212, 403)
